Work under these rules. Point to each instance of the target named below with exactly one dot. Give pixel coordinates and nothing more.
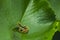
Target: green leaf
(55, 4)
(39, 17)
(10, 12)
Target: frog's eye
(20, 30)
(23, 30)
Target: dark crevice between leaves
(56, 36)
(26, 5)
